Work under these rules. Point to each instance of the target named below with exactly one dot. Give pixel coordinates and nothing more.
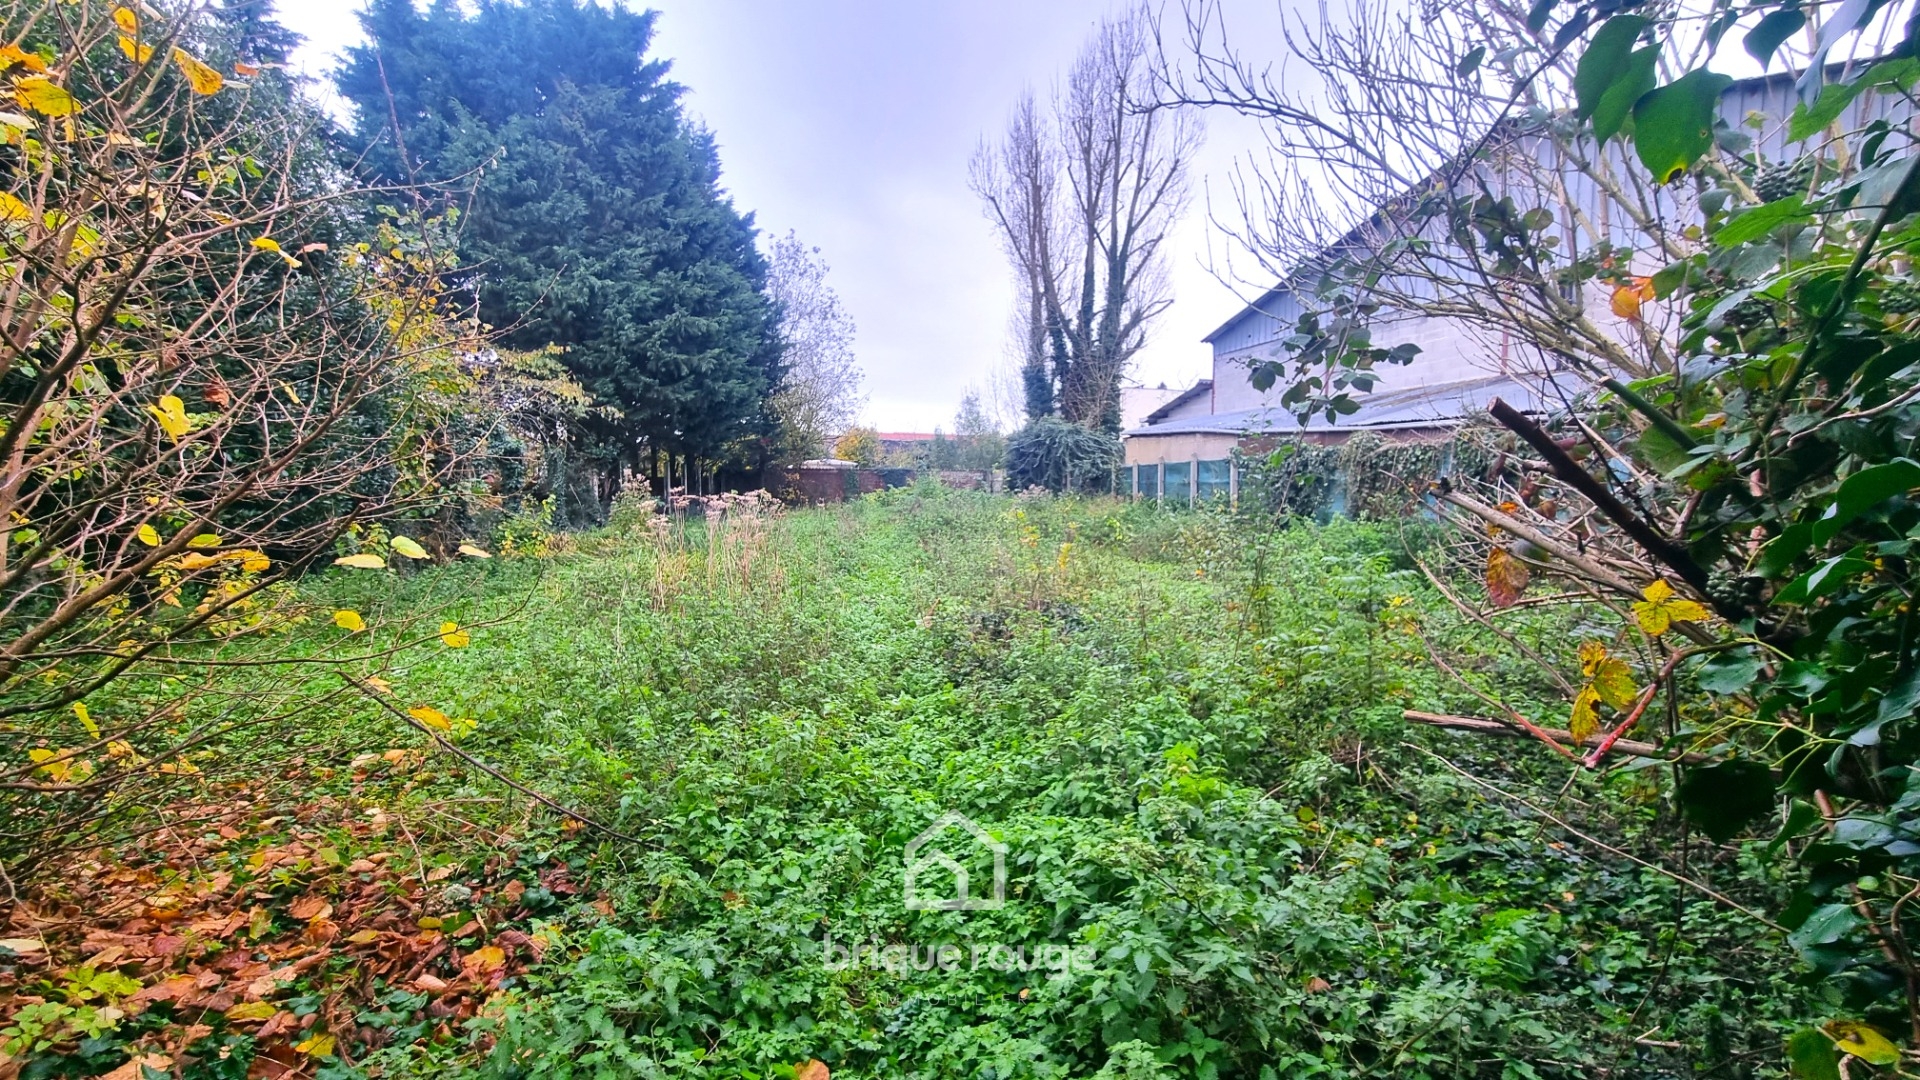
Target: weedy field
(1225, 853)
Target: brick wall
(809, 486)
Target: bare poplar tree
(1083, 201)
(822, 391)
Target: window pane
(1176, 489)
(1214, 480)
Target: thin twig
(441, 741)
(1603, 845)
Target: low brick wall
(965, 479)
(808, 486)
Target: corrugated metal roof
(1443, 405)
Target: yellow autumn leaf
(171, 415)
(473, 552)
(455, 637)
(315, 1046)
(380, 684)
(1592, 655)
(1614, 683)
(126, 20)
(12, 209)
(39, 94)
(252, 1010)
(148, 535)
(268, 243)
(362, 561)
(253, 562)
(485, 960)
(86, 719)
(431, 717)
(1858, 1040)
(349, 621)
(1661, 609)
(203, 79)
(14, 54)
(245, 70)
(364, 937)
(135, 51)
(204, 540)
(1584, 721)
(56, 767)
(407, 546)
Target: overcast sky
(850, 122)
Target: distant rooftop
(1415, 407)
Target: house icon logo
(924, 856)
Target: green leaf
(1781, 552)
(1801, 816)
(1901, 701)
(1863, 491)
(1826, 578)
(1826, 109)
(1753, 224)
(1827, 924)
(1610, 115)
(1470, 63)
(1835, 98)
(1723, 797)
(1728, 673)
(1660, 451)
(1811, 1056)
(1764, 39)
(1604, 62)
(1673, 125)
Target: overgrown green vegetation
(1186, 732)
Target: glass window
(1147, 485)
(1176, 487)
(1213, 480)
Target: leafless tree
(1083, 200)
(822, 391)
(1425, 156)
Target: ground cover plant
(1226, 854)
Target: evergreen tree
(256, 36)
(597, 222)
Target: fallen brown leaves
(282, 926)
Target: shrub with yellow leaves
(185, 374)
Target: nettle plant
(202, 381)
(1736, 505)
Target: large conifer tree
(597, 221)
